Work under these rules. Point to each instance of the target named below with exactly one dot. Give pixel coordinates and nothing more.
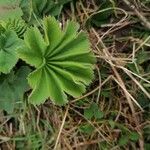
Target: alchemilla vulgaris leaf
(37, 8)
(12, 88)
(63, 61)
(9, 43)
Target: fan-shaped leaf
(63, 61)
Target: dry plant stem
(121, 22)
(119, 79)
(114, 58)
(114, 24)
(139, 85)
(67, 144)
(145, 22)
(119, 112)
(100, 82)
(22, 125)
(127, 93)
(61, 128)
(105, 51)
(118, 28)
(2, 124)
(87, 143)
(143, 43)
(121, 83)
(118, 23)
(4, 139)
(126, 70)
(140, 46)
(38, 119)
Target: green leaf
(17, 25)
(87, 128)
(97, 113)
(93, 111)
(9, 43)
(63, 61)
(146, 146)
(88, 113)
(37, 9)
(134, 136)
(12, 88)
(132, 67)
(123, 140)
(10, 9)
(2, 29)
(112, 123)
(143, 56)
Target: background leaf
(87, 128)
(93, 111)
(12, 88)
(123, 140)
(17, 25)
(9, 43)
(10, 9)
(134, 136)
(37, 9)
(103, 14)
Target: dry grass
(50, 127)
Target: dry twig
(144, 20)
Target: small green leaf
(134, 136)
(97, 113)
(88, 113)
(87, 128)
(123, 140)
(17, 25)
(112, 123)
(106, 93)
(93, 111)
